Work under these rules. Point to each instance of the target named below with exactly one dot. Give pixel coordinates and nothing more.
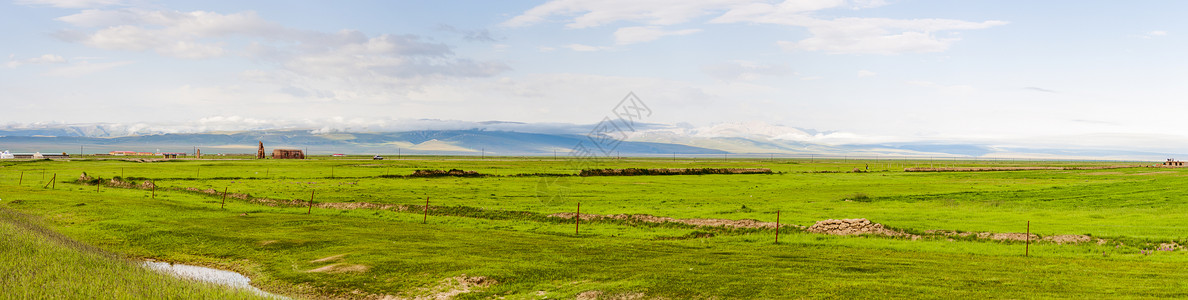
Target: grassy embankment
(41, 264)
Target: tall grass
(41, 264)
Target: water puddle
(215, 276)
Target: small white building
(6, 155)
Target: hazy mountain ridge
(652, 139)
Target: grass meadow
(498, 228)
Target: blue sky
(1062, 73)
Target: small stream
(215, 276)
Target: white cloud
(169, 33)
(1154, 34)
(876, 35)
(866, 73)
(311, 65)
(44, 59)
(638, 34)
(585, 48)
(592, 13)
(850, 35)
(72, 3)
(84, 68)
(745, 70)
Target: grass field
(497, 227)
(41, 264)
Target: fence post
(97, 184)
(1027, 245)
(577, 220)
(22, 179)
(154, 183)
(224, 198)
(54, 182)
(425, 219)
(310, 210)
(777, 226)
(47, 184)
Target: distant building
(6, 155)
(260, 151)
(172, 154)
(337, 155)
(287, 154)
(1171, 162)
(38, 155)
(129, 153)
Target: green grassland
(41, 264)
(498, 226)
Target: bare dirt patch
(1020, 237)
(451, 287)
(694, 222)
(599, 295)
(646, 172)
(1067, 239)
(268, 242)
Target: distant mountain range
(654, 140)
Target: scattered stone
(854, 227)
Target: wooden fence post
(97, 184)
(54, 182)
(777, 226)
(154, 183)
(22, 179)
(1027, 245)
(310, 210)
(47, 184)
(577, 220)
(425, 220)
(224, 198)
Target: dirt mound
(1020, 237)
(599, 295)
(452, 287)
(644, 172)
(854, 227)
(1068, 239)
(694, 222)
(440, 173)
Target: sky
(1106, 74)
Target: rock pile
(852, 227)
